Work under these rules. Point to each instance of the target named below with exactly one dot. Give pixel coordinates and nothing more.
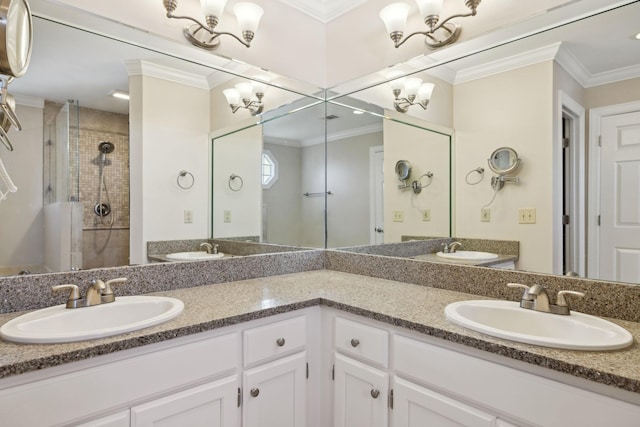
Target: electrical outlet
(426, 215)
(485, 215)
(188, 216)
(227, 216)
(527, 216)
(398, 216)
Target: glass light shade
(232, 95)
(245, 89)
(394, 17)
(248, 15)
(425, 91)
(213, 7)
(259, 85)
(397, 83)
(412, 85)
(429, 7)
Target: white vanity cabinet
(275, 376)
(361, 380)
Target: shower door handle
(378, 230)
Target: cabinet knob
(375, 393)
(280, 342)
(255, 392)
(354, 342)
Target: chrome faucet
(211, 249)
(98, 292)
(451, 247)
(536, 298)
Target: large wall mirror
(315, 174)
(552, 97)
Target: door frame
(372, 189)
(567, 106)
(593, 231)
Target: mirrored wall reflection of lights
(204, 35)
(439, 33)
(409, 91)
(247, 95)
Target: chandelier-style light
(204, 35)
(247, 95)
(415, 93)
(440, 33)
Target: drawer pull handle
(255, 392)
(280, 342)
(375, 393)
(355, 342)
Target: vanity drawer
(362, 341)
(274, 340)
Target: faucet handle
(525, 295)
(109, 283)
(562, 300)
(74, 296)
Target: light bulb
(245, 89)
(213, 7)
(429, 7)
(412, 85)
(248, 15)
(394, 17)
(425, 90)
(232, 95)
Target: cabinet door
(415, 406)
(275, 394)
(121, 419)
(213, 405)
(360, 394)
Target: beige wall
(512, 109)
(163, 143)
(427, 151)
(613, 93)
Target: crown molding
(146, 68)
(509, 63)
(323, 10)
(337, 136)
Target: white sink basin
(468, 255)
(193, 256)
(506, 319)
(60, 324)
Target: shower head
(106, 147)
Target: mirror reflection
(550, 97)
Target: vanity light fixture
(415, 93)
(204, 35)
(247, 95)
(439, 33)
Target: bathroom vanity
(315, 348)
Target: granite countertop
(485, 263)
(416, 307)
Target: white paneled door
(620, 198)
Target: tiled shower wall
(105, 241)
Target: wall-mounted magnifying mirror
(403, 170)
(503, 161)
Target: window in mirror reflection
(269, 169)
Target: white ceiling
(324, 10)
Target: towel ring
(479, 171)
(232, 179)
(188, 176)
